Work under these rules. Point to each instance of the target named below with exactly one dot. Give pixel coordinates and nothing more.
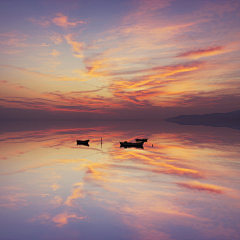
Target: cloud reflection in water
(184, 184)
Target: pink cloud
(77, 193)
(42, 22)
(210, 188)
(77, 47)
(42, 217)
(13, 39)
(56, 38)
(62, 219)
(62, 21)
(55, 53)
(209, 51)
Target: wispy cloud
(209, 51)
(62, 219)
(56, 38)
(14, 200)
(14, 85)
(29, 168)
(57, 201)
(41, 218)
(42, 22)
(146, 60)
(153, 82)
(13, 52)
(77, 47)
(55, 186)
(210, 188)
(55, 53)
(76, 193)
(14, 39)
(62, 21)
(51, 76)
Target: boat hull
(82, 142)
(141, 139)
(130, 144)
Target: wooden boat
(141, 139)
(133, 147)
(131, 144)
(83, 142)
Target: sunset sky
(147, 59)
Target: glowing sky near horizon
(120, 57)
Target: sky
(134, 59)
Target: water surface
(183, 185)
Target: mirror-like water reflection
(184, 183)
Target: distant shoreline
(230, 119)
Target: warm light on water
(183, 185)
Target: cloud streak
(62, 219)
(77, 47)
(209, 188)
(62, 21)
(209, 51)
(76, 193)
(42, 22)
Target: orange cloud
(93, 174)
(76, 46)
(209, 51)
(55, 53)
(210, 188)
(89, 101)
(62, 219)
(158, 162)
(55, 186)
(77, 193)
(155, 83)
(62, 21)
(93, 65)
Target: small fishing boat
(132, 147)
(131, 144)
(83, 142)
(141, 139)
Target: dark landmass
(230, 119)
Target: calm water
(184, 184)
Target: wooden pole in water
(101, 142)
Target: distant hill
(230, 119)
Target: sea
(183, 184)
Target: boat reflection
(83, 142)
(141, 147)
(126, 144)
